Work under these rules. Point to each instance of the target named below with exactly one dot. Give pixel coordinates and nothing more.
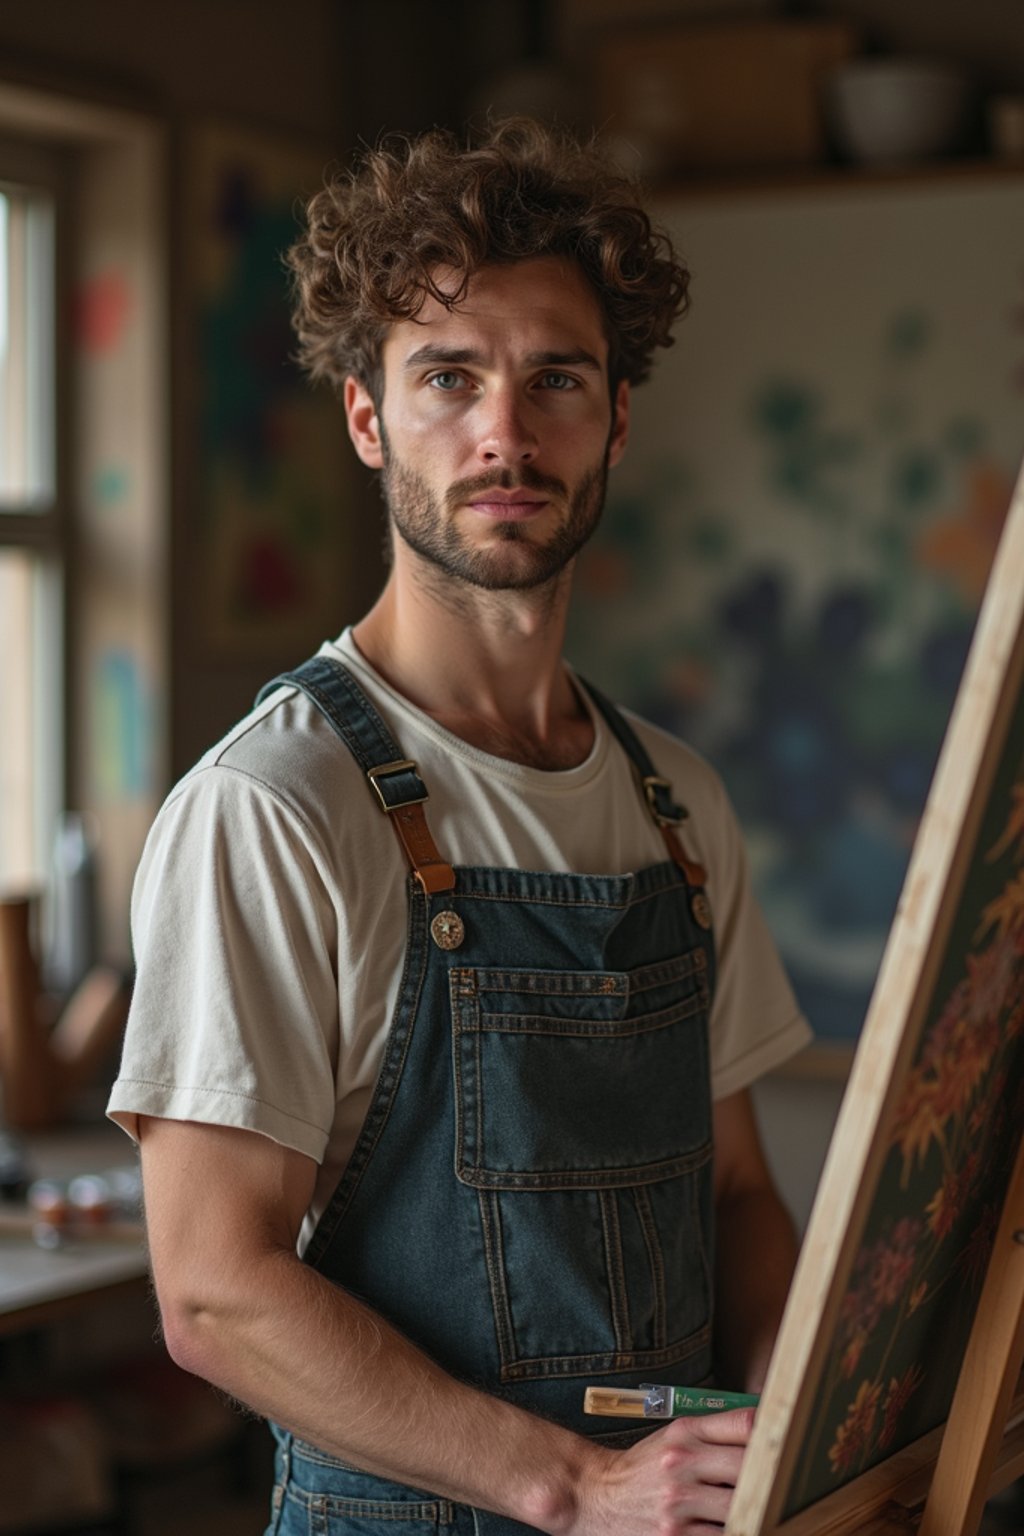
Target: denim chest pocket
(580, 1079)
(583, 1124)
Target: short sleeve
(234, 1016)
(756, 1023)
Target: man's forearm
(299, 1350)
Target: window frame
(43, 527)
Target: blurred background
(788, 572)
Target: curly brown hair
(377, 235)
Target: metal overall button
(701, 909)
(447, 930)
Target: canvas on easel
(920, 1208)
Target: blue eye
(561, 381)
(446, 381)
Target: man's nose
(506, 436)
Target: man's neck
(486, 665)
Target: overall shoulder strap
(656, 791)
(395, 780)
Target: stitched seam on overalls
(494, 1257)
(646, 977)
(355, 695)
(596, 984)
(616, 1270)
(552, 983)
(556, 901)
(585, 1178)
(324, 702)
(471, 1118)
(322, 1506)
(676, 1353)
(305, 1450)
(645, 1215)
(458, 1001)
(479, 1097)
(523, 884)
(545, 1024)
(438, 1510)
(614, 990)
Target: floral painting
(796, 543)
(910, 1300)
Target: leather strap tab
(427, 864)
(695, 874)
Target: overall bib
(530, 1197)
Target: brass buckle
(384, 770)
(650, 786)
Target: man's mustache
(525, 479)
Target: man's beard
(514, 561)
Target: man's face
(496, 429)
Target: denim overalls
(530, 1197)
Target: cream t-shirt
(269, 912)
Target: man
(425, 949)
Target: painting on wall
(271, 452)
(796, 543)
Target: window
(31, 547)
(84, 490)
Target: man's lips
(509, 508)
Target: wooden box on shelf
(719, 96)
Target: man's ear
(620, 423)
(363, 426)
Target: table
(40, 1286)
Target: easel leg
(989, 1374)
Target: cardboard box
(719, 97)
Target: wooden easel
(983, 1444)
(950, 1473)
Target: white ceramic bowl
(896, 111)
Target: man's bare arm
(240, 1309)
(756, 1248)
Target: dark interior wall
(422, 61)
(272, 63)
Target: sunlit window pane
(26, 350)
(31, 643)
(31, 609)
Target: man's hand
(677, 1482)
